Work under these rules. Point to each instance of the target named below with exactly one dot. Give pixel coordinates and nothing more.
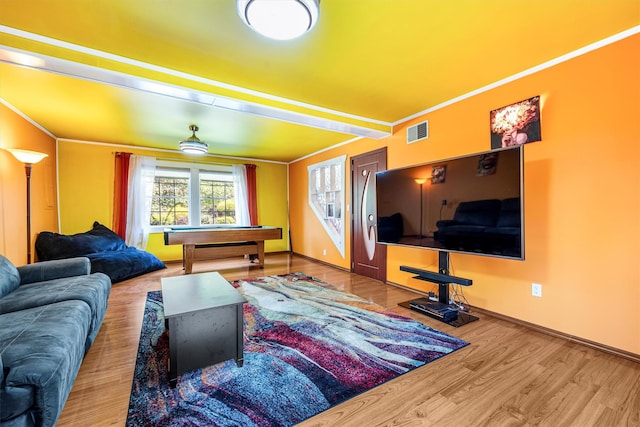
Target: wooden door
(367, 257)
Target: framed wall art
(438, 174)
(516, 124)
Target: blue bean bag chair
(107, 252)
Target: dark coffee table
(204, 317)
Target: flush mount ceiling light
(279, 19)
(193, 145)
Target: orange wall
(308, 237)
(582, 198)
(16, 132)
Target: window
(190, 195)
(217, 204)
(170, 202)
(326, 197)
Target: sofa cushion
(9, 277)
(42, 349)
(49, 270)
(15, 401)
(93, 290)
(51, 245)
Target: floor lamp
(28, 158)
(420, 181)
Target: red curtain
(252, 194)
(120, 193)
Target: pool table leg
(188, 255)
(260, 244)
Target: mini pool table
(220, 242)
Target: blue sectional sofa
(50, 314)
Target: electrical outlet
(536, 290)
(444, 202)
(324, 252)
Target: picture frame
(438, 174)
(516, 124)
(487, 164)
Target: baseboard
(321, 262)
(547, 331)
(592, 344)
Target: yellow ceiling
(367, 65)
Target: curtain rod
(173, 159)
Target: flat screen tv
(469, 204)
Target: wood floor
(509, 375)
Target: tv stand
(442, 279)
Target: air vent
(418, 132)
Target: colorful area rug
(307, 348)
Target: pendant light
(193, 145)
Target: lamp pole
(27, 169)
(421, 211)
(420, 181)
